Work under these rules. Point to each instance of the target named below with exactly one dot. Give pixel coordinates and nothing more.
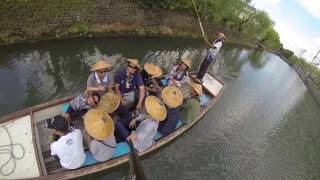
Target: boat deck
(51, 164)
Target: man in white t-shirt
(68, 149)
(213, 50)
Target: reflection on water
(265, 126)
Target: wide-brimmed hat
(135, 62)
(109, 102)
(153, 69)
(155, 108)
(186, 62)
(172, 96)
(197, 88)
(101, 64)
(221, 34)
(98, 124)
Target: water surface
(265, 126)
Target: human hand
(133, 124)
(132, 137)
(101, 88)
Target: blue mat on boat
(165, 82)
(65, 107)
(204, 100)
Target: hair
(97, 95)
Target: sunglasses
(133, 67)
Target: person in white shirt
(142, 136)
(99, 134)
(213, 50)
(68, 149)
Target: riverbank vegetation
(237, 16)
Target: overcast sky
(297, 22)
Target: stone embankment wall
(309, 81)
(29, 20)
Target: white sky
(297, 22)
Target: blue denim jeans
(204, 66)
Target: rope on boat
(9, 150)
(199, 20)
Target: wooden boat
(25, 131)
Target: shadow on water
(265, 126)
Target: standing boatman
(213, 51)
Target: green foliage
(79, 27)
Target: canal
(265, 126)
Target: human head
(101, 66)
(196, 89)
(185, 64)
(172, 96)
(93, 99)
(221, 36)
(152, 70)
(98, 124)
(58, 123)
(155, 108)
(133, 66)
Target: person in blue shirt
(127, 82)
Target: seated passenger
(80, 105)
(99, 134)
(149, 74)
(190, 108)
(173, 98)
(100, 80)
(127, 82)
(179, 73)
(142, 136)
(68, 149)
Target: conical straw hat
(187, 62)
(101, 64)
(153, 69)
(155, 108)
(172, 96)
(109, 102)
(197, 88)
(135, 62)
(98, 124)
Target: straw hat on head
(153, 69)
(109, 102)
(197, 88)
(155, 108)
(172, 96)
(135, 62)
(186, 62)
(221, 35)
(98, 124)
(101, 64)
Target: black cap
(58, 123)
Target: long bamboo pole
(199, 20)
